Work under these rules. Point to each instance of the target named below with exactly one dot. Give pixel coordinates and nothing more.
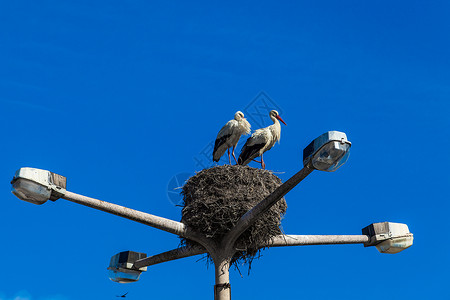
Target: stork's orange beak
(279, 118)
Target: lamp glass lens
(395, 245)
(30, 191)
(123, 275)
(331, 156)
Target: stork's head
(274, 115)
(238, 115)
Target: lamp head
(121, 268)
(388, 237)
(328, 152)
(37, 186)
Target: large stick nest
(216, 198)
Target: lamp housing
(37, 186)
(328, 152)
(121, 268)
(388, 237)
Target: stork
(229, 136)
(261, 140)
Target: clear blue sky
(120, 96)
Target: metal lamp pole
(223, 257)
(222, 252)
(328, 152)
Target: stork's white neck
(275, 130)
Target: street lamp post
(326, 153)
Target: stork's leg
(256, 161)
(263, 165)
(229, 158)
(234, 155)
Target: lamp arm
(174, 254)
(305, 240)
(161, 223)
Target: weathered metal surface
(168, 225)
(304, 240)
(169, 255)
(382, 231)
(121, 267)
(37, 186)
(126, 260)
(222, 288)
(389, 237)
(278, 241)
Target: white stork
(229, 136)
(262, 140)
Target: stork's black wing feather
(219, 142)
(248, 152)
